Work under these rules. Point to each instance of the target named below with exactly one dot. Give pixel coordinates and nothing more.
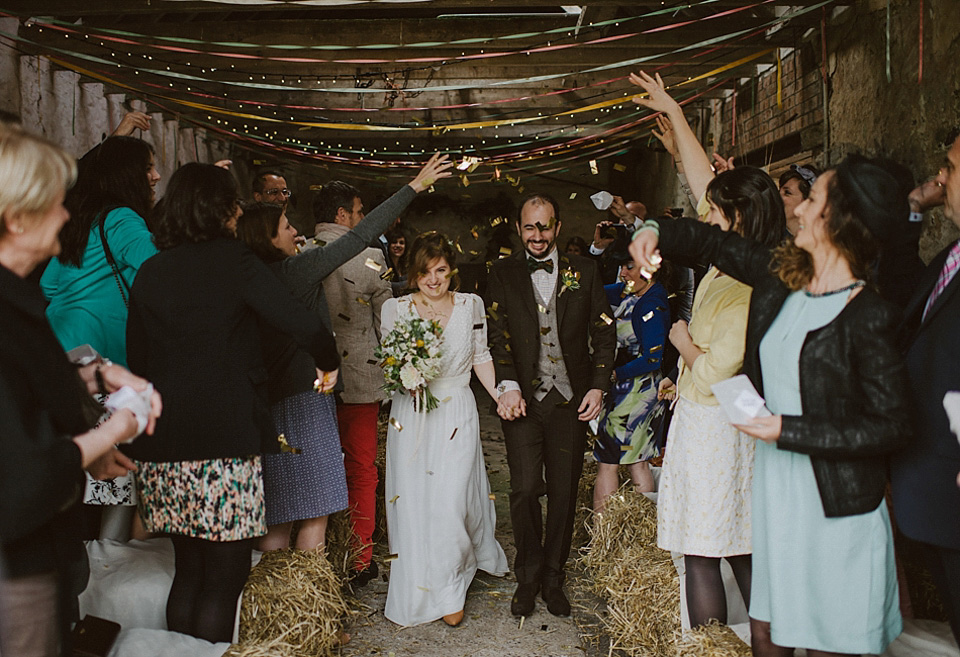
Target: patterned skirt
(310, 482)
(217, 500)
(631, 424)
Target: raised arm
(745, 260)
(304, 272)
(696, 164)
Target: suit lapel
(562, 297)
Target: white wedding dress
(440, 518)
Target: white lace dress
(440, 517)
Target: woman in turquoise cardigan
(112, 199)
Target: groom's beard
(542, 254)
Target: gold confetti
(520, 626)
(492, 496)
(656, 259)
(396, 424)
(541, 308)
(431, 190)
(423, 588)
(474, 253)
(505, 251)
(648, 316)
(345, 318)
(445, 399)
(394, 499)
(455, 429)
(593, 167)
(458, 247)
(390, 557)
(428, 182)
(536, 383)
(493, 313)
(620, 167)
(544, 330)
(453, 272)
(363, 301)
(429, 472)
(625, 448)
(319, 242)
(606, 318)
(373, 264)
(628, 287)
(372, 361)
(259, 162)
(296, 249)
(474, 233)
(573, 196)
(464, 180)
(387, 274)
(655, 349)
(316, 188)
(285, 446)
(520, 189)
(506, 334)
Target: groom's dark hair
(539, 199)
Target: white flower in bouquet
(410, 377)
(410, 357)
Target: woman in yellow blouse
(704, 500)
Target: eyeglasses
(275, 192)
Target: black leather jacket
(852, 378)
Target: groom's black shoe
(557, 603)
(524, 600)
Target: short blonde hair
(33, 173)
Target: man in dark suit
(547, 311)
(926, 496)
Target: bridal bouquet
(410, 357)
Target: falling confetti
(396, 424)
(393, 500)
(373, 264)
(285, 446)
(593, 167)
(606, 318)
(454, 432)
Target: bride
(440, 518)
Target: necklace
(435, 312)
(846, 288)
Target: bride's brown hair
(428, 247)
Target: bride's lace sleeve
(481, 351)
(388, 316)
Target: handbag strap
(121, 282)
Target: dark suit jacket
(192, 331)
(925, 494)
(587, 341)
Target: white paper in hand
(602, 200)
(739, 399)
(137, 402)
(951, 404)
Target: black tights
(208, 580)
(706, 598)
(763, 646)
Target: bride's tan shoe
(454, 619)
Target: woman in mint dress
(820, 347)
(88, 297)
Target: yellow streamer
(779, 80)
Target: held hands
(590, 406)
(510, 405)
(666, 390)
(658, 99)
(132, 121)
(435, 169)
(766, 428)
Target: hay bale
(292, 600)
(584, 516)
(637, 579)
(342, 549)
(713, 640)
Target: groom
(546, 312)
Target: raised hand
(720, 164)
(643, 249)
(666, 135)
(657, 97)
(132, 121)
(927, 195)
(435, 169)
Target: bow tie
(546, 265)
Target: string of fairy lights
(158, 68)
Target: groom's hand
(590, 406)
(510, 405)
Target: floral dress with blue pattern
(631, 423)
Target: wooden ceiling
(336, 79)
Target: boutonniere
(569, 279)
